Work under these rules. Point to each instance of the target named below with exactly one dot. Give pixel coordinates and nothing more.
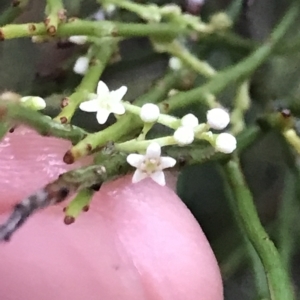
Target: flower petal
(135, 160)
(153, 150)
(102, 89)
(159, 177)
(118, 108)
(138, 176)
(90, 105)
(118, 94)
(102, 115)
(167, 162)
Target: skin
(137, 241)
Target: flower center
(150, 165)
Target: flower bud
(225, 142)
(149, 113)
(218, 118)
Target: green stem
(278, 279)
(287, 218)
(15, 9)
(16, 113)
(237, 73)
(103, 53)
(241, 105)
(56, 14)
(93, 28)
(258, 270)
(126, 124)
(175, 48)
(79, 203)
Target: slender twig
(258, 270)
(278, 279)
(237, 73)
(175, 48)
(15, 9)
(287, 217)
(93, 28)
(55, 15)
(16, 113)
(241, 105)
(102, 54)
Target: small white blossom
(81, 65)
(33, 102)
(190, 120)
(78, 39)
(184, 135)
(218, 118)
(105, 102)
(109, 9)
(175, 63)
(151, 164)
(225, 142)
(149, 113)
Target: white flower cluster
(105, 102)
(218, 118)
(184, 135)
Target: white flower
(81, 65)
(217, 118)
(78, 39)
(33, 102)
(151, 164)
(109, 9)
(225, 142)
(190, 120)
(105, 102)
(175, 63)
(149, 113)
(184, 135)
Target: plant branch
(93, 29)
(237, 73)
(278, 280)
(15, 9)
(125, 125)
(16, 113)
(56, 15)
(102, 54)
(175, 48)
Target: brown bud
(69, 220)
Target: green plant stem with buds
(278, 279)
(16, 113)
(55, 14)
(125, 125)
(79, 203)
(218, 83)
(93, 29)
(102, 54)
(237, 73)
(175, 48)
